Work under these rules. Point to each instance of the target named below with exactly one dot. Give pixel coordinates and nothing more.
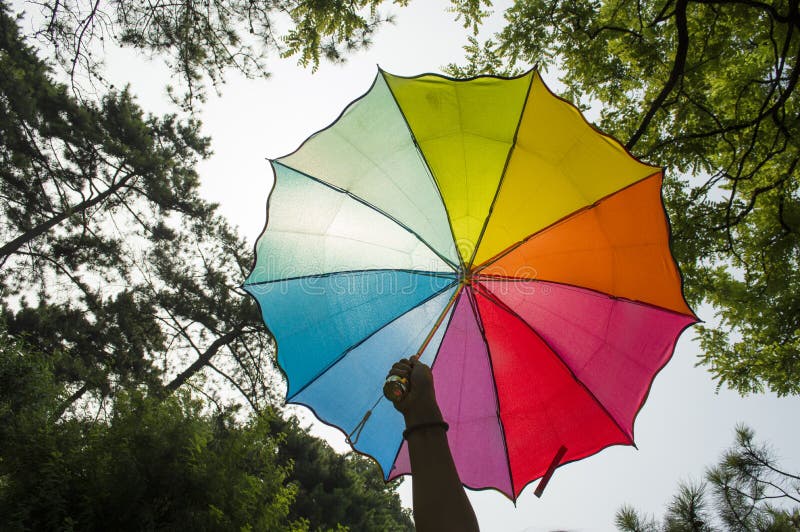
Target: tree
(749, 492)
(149, 464)
(707, 89)
(334, 488)
(200, 41)
(110, 261)
(152, 463)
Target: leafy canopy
(119, 290)
(149, 463)
(108, 255)
(200, 41)
(707, 89)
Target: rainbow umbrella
(485, 226)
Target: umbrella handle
(395, 388)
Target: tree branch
(39, 230)
(236, 385)
(758, 5)
(204, 358)
(678, 67)
(59, 411)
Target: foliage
(151, 464)
(333, 488)
(169, 464)
(707, 89)
(484, 58)
(111, 263)
(748, 493)
(200, 41)
(471, 12)
(119, 307)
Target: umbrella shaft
(436, 326)
(395, 388)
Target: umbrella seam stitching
(433, 363)
(352, 272)
(503, 174)
(476, 313)
(491, 260)
(491, 296)
(369, 205)
(378, 167)
(429, 169)
(592, 290)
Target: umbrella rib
(488, 262)
(430, 171)
(377, 166)
(367, 337)
(373, 207)
(510, 279)
(503, 174)
(588, 331)
(476, 313)
(492, 297)
(351, 272)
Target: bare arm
(440, 503)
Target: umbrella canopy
(485, 226)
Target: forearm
(440, 502)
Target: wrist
(428, 413)
(421, 428)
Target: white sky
(683, 427)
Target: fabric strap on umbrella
(553, 465)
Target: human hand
(419, 403)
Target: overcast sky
(683, 427)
